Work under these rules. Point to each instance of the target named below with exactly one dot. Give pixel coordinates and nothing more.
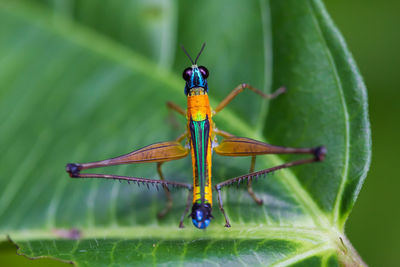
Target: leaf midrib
(320, 239)
(313, 235)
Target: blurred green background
(371, 29)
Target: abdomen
(200, 129)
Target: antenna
(198, 55)
(184, 50)
(201, 50)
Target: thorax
(198, 107)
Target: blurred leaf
(70, 94)
(147, 26)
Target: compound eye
(204, 71)
(187, 73)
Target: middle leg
(168, 207)
(250, 181)
(252, 166)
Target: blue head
(201, 215)
(195, 77)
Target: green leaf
(325, 85)
(70, 91)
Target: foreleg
(240, 88)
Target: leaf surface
(73, 93)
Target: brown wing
(159, 152)
(241, 146)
